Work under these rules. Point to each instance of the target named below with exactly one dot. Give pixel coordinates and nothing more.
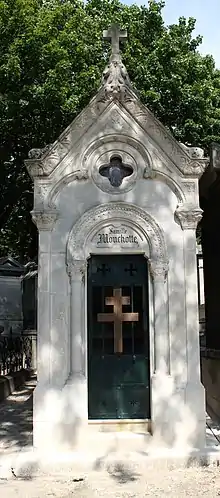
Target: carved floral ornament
(159, 269)
(188, 216)
(45, 220)
(115, 80)
(76, 269)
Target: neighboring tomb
(29, 298)
(10, 296)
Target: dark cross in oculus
(115, 171)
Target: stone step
(30, 464)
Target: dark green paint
(119, 384)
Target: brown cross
(117, 317)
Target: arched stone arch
(172, 184)
(100, 145)
(63, 182)
(87, 166)
(151, 238)
(152, 245)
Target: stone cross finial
(115, 35)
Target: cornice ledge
(45, 220)
(188, 216)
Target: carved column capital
(35, 168)
(44, 220)
(188, 216)
(76, 269)
(159, 269)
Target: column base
(178, 413)
(60, 416)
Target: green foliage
(51, 59)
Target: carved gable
(115, 120)
(102, 119)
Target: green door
(118, 338)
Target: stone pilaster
(44, 221)
(159, 271)
(189, 219)
(76, 271)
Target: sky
(207, 14)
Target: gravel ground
(119, 483)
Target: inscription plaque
(119, 235)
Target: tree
(51, 59)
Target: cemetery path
(16, 425)
(120, 483)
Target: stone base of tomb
(30, 463)
(61, 420)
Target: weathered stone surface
(154, 212)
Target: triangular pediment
(107, 116)
(9, 262)
(9, 266)
(116, 109)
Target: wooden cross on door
(117, 317)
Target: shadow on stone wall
(177, 405)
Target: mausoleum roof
(118, 104)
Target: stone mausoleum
(116, 205)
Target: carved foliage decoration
(188, 216)
(35, 168)
(159, 269)
(115, 81)
(44, 220)
(76, 269)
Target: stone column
(76, 271)
(45, 222)
(158, 270)
(188, 217)
(74, 393)
(161, 380)
(41, 413)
